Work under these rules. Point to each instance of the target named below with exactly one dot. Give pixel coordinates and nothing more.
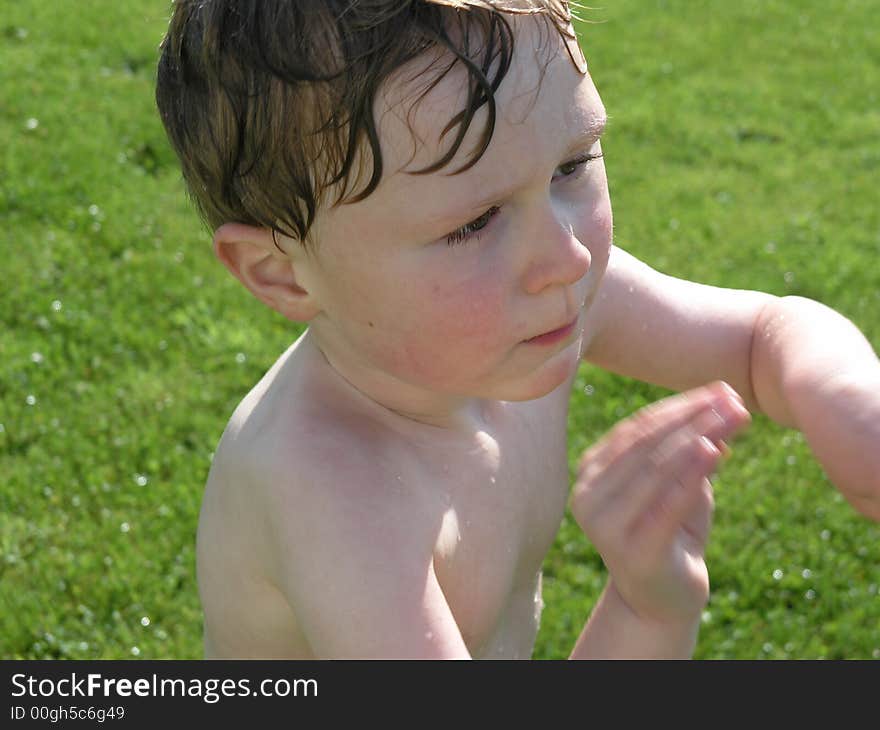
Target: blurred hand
(643, 498)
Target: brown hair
(268, 102)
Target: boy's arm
(671, 332)
(614, 631)
(796, 360)
(643, 498)
(358, 576)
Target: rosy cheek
(461, 323)
(473, 311)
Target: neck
(402, 404)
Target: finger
(655, 422)
(683, 457)
(609, 469)
(728, 419)
(637, 476)
(674, 510)
(698, 520)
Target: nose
(556, 257)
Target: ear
(252, 257)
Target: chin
(554, 372)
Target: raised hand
(643, 497)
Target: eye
(571, 167)
(464, 233)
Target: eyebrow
(591, 133)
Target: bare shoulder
(346, 526)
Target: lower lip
(553, 337)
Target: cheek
(471, 311)
(459, 322)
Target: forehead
(547, 110)
(544, 96)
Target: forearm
(613, 631)
(799, 349)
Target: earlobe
(251, 255)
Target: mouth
(554, 336)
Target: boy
(391, 486)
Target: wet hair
(268, 103)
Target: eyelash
(466, 232)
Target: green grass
(743, 151)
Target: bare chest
(498, 523)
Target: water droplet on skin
(429, 635)
(491, 480)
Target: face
(436, 283)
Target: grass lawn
(743, 151)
